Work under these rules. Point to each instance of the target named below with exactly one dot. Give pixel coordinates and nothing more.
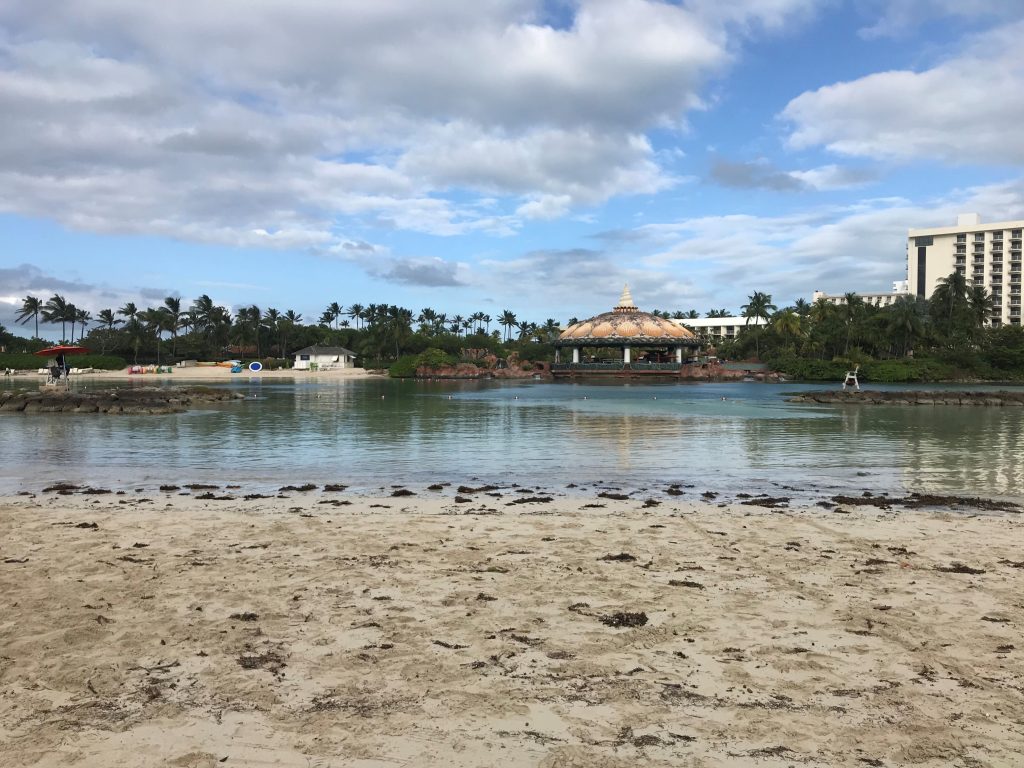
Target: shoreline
(210, 373)
(159, 629)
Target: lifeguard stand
(851, 379)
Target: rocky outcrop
(908, 397)
(488, 367)
(129, 401)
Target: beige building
(988, 255)
(899, 288)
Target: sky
(500, 154)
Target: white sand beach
(209, 373)
(158, 629)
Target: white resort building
(988, 255)
(720, 327)
(899, 288)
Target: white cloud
(286, 122)
(898, 17)
(828, 177)
(545, 207)
(964, 110)
(859, 247)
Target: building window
(922, 241)
(303, 357)
(961, 238)
(979, 237)
(922, 261)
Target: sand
(156, 629)
(207, 374)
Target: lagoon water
(372, 433)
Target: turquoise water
(373, 433)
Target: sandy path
(415, 634)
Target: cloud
(899, 17)
(289, 124)
(959, 111)
(856, 247)
(425, 272)
(28, 280)
(829, 177)
(753, 175)
(545, 207)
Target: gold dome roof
(626, 323)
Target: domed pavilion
(648, 343)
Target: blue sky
(505, 154)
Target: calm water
(534, 433)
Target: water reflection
(374, 432)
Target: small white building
(324, 358)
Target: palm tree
(981, 305)
(156, 320)
(787, 323)
(334, 311)
(487, 321)
(247, 326)
(83, 318)
(30, 308)
(527, 330)
(718, 313)
(56, 311)
(852, 309)
(130, 311)
(507, 320)
(758, 307)
(271, 321)
(457, 324)
(107, 319)
(356, 313)
(286, 324)
(905, 321)
(203, 312)
(172, 304)
(551, 329)
(427, 319)
(801, 307)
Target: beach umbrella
(61, 349)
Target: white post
(625, 355)
(575, 354)
(679, 355)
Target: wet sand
(322, 629)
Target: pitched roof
(316, 350)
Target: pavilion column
(575, 354)
(679, 355)
(558, 355)
(626, 355)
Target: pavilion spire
(626, 301)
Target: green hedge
(25, 362)
(404, 367)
